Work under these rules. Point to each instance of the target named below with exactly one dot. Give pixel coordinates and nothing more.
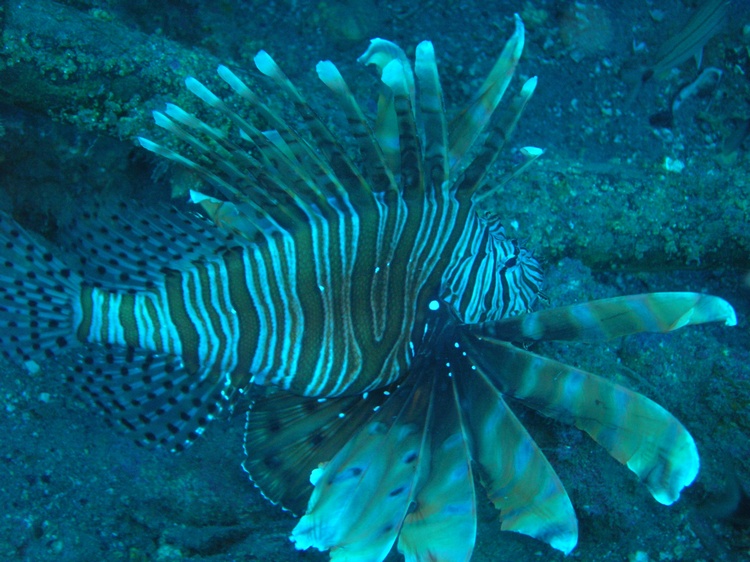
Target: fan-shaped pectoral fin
(287, 436)
(362, 495)
(518, 478)
(611, 318)
(442, 525)
(632, 428)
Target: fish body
(703, 24)
(369, 293)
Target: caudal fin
(37, 297)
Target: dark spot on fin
(150, 395)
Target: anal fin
(151, 395)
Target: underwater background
(622, 202)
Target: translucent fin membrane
(287, 436)
(149, 394)
(38, 295)
(362, 495)
(442, 523)
(515, 473)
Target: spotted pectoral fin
(151, 395)
(611, 318)
(633, 429)
(287, 436)
(519, 480)
(362, 494)
(442, 525)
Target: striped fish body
(330, 294)
(305, 311)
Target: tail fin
(37, 297)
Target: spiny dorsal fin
(433, 117)
(261, 186)
(469, 123)
(501, 128)
(274, 188)
(336, 173)
(397, 77)
(375, 163)
(238, 218)
(381, 53)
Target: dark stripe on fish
(127, 319)
(87, 309)
(247, 315)
(186, 329)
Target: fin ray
(362, 495)
(518, 479)
(632, 428)
(466, 127)
(611, 318)
(443, 524)
(37, 296)
(288, 436)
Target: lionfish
(357, 280)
